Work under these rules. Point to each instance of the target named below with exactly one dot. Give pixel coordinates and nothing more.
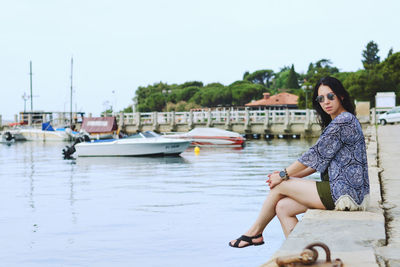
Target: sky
(119, 45)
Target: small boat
(140, 144)
(47, 133)
(211, 137)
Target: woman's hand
(274, 179)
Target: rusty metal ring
(322, 245)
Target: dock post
(43, 117)
(228, 124)
(1, 121)
(121, 120)
(209, 119)
(373, 116)
(138, 120)
(173, 123)
(273, 116)
(190, 123)
(287, 121)
(267, 125)
(246, 120)
(155, 121)
(307, 124)
(30, 119)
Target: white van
(390, 116)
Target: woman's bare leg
(286, 210)
(300, 190)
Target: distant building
(278, 101)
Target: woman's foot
(245, 241)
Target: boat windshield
(147, 134)
(150, 134)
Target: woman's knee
(281, 208)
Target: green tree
(370, 55)
(243, 92)
(155, 102)
(192, 83)
(280, 80)
(292, 82)
(245, 75)
(262, 77)
(320, 69)
(186, 93)
(390, 52)
(128, 109)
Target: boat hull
(216, 141)
(40, 135)
(126, 148)
(213, 137)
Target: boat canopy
(99, 124)
(46, 126)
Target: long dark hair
(341, 94)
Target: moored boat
(46, 133)
(140, 144)
(211, 137)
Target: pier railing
(216, 116)
(245, 121)
(289, 121)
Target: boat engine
(69, 150)
(8, 136)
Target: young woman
(339, 155)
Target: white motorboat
(140, 144)
(211, 137)
(32, 134)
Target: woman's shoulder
(344, 118)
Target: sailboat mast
(30, 74)
(70, 114)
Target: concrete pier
(244, 121)
(370, 238)
(389, 159)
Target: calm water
(176, 211)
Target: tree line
(376, 76)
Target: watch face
(282, 174)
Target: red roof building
(278, 101)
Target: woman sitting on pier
(339, 155)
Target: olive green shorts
(324, 192)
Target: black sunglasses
(321, 98)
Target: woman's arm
(295, 168)
(304, 173)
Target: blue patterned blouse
(341, 149)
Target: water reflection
(92, 211)
(128, 161)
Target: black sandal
(248, 239)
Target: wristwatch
(284, 175)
